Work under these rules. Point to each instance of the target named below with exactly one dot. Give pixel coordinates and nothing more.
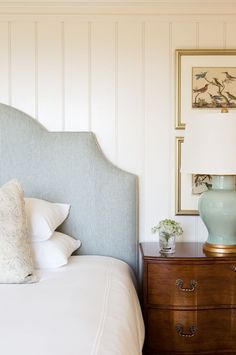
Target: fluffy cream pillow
(16, 263)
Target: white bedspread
(88, 307)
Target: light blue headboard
(69, 167)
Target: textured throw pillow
(55, 251)
(16, 263)
(43, 217)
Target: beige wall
(111, 69)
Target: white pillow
(55, 251)
(16, 263)
(44, 217)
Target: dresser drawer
(188, 285)
(191, 331)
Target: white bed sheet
(88, 307)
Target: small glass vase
(166, 243)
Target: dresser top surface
(183, 250)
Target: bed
(89, 306)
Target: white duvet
(88, 307)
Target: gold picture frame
(186, 59)
(183, 190)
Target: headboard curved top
(69, 167)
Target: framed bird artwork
(188, 187)
(205, 80)
(186, 199)
(214, 87)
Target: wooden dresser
(189, 301)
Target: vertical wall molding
(116, 94)
(144, 116)
(63, 74)
(36, 67)
(171, 122)
(195, 219)
(89, 76)
(9, 64)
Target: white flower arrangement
(168, 227)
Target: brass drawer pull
(180, 330)
(180, 284)
(234, 267)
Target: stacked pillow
(51, 249)
(27, 235)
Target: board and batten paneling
(114, 75)
(131, 104)
(157, 165)
(184, 35)
(77, 69)
(23, 66)
(103, 85)
(50, 74)
(5, 64)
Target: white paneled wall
(22, 66)
(113, 74)
(103, 85)
(5, 63)
(77, 81)
(50, 74)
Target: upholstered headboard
(69, 167)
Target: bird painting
(230, 96)
(215, 97)
(201, 75)
(201, 90)
(217, 82)
(213, 87)
(228, 76)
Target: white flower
(168, 227)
